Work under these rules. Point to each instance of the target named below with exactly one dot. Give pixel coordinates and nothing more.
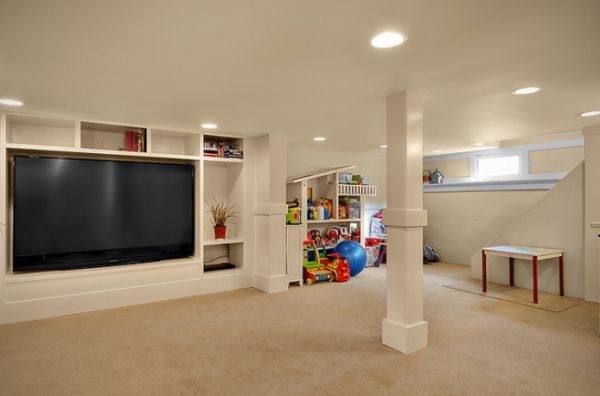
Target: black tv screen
(75, 213)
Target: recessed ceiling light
(383, 146)
(525, 90)
(209, 125)
(319, 138)
(592, 113)
(11, 102)
(478, 144)
(387, 40)
(437, 151)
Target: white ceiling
(306, 68)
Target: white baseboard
(404, 338)
(60, 305)
(271, 284)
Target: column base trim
(404, 338)
(271, 284)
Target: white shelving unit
(50, 293)
(324, 184)
(226, 241)
(223, 181)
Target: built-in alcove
(34, 130)
(110, 137)
(172, 142)
(223, 255)
(223, 148)
(42, 293)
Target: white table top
(523, 252)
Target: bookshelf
(224, 182)
(224, 148)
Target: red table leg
(535, 279)
(561, 272)
(511, 270)
(483, 272)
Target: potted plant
(222, 213)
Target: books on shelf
(135, 141)
(222, 149)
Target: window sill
(530, 182)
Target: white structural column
(404, 328)
(592, 213)
(269, 232)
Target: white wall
(555, 221)
(459, 223)
(592, 212)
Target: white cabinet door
(294, 253)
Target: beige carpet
(517, 295)
(322, 339)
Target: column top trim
(404, 217)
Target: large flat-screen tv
(76, 213)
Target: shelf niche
(40, 131)
(213, 141)
(223, 182)
(108, 137)
(171, 142)
(223, 257)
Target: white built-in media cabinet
(34, 295)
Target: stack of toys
(349, 178)
(349, 207)
(319, 265)
(320, 209)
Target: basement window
(494, 166)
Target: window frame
(522, 156)
(521, 181)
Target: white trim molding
(522, 181)
(544, 181)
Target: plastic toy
(317, 274)
(314, 236)
(294, 216)
(338, 266)
(354, 253)
(313, 271)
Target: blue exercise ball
(355, 254)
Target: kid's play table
(533, 254)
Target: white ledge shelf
(75, 150)
(532, 182)
(226, 241)
(226, 160)
(333, 221)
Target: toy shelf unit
(224, 184)
(330, 197)
(113, 137)
(221, 148)
(330, 200)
